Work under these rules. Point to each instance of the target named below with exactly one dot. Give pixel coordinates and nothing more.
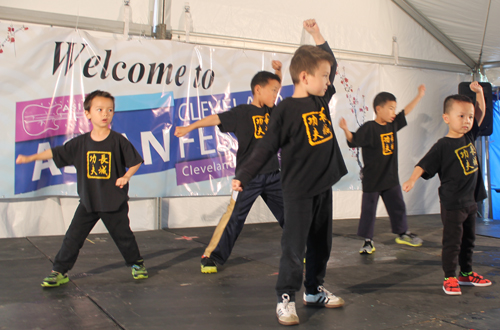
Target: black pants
(395, 206)
(308, 223)
(268, 186)
(459, 234)
(117, 224)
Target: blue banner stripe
(143, 101)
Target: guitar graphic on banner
(38, 119)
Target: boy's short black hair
(88, 100)
(262, 79)
(381, 99)
(307, 58)
(448, 102)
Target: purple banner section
(205, 169)
(61, 115)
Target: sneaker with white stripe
(285, 311)
(323, 298)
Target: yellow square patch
(387, 143)
(468, 159)
(318, 127)
(98, 164)
(260, 125)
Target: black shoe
(208, 265)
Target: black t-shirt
(311, 161)
(379, 146)
(455, 161)
(98, 165)
(249, 123)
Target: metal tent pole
(161, 27)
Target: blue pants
(395, 205)
(117, 224)
(268, 186)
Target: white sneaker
(323, 298)
(285, 311)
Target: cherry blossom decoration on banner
(358, 109)
(11, 32)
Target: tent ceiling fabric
(469, 26)
(466, 23)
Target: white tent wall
(358, 26)
(108, 10)
(354, 27)
(365, 26)
(52, 216)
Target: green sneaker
(55, 279)
(208, 265)
(139, 272)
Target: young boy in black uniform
(311, 162)
(454, 159)
(249, 123)
(379, 142)
(101, 158)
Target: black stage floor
(398, 287)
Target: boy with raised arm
(379, 146)
(311, 162)
(249, 122)
(101, 158)
(454, 159)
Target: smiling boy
(101, 158)
(454, 159)
(379, 145)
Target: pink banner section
(42, 118)
(205, 169)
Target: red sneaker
(451, 287)
(473, 279)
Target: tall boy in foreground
(311, 162)
(454, 159)
(100, 158)
(379, 142)
(249, 122)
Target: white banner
(158, 85)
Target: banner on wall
(158, 85)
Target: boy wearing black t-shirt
(311, 162)
(379, 143)
(101, 158)
(249, 122)
(454, 159)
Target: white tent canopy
(445, 31)
(440, 43)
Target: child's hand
(276, 65)
(236, 185)
(343, 124)
(475, 87)
(408, 185)
(181, 131)
(121, 182)
(22, 159)
(421, 90)
(311, 26)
